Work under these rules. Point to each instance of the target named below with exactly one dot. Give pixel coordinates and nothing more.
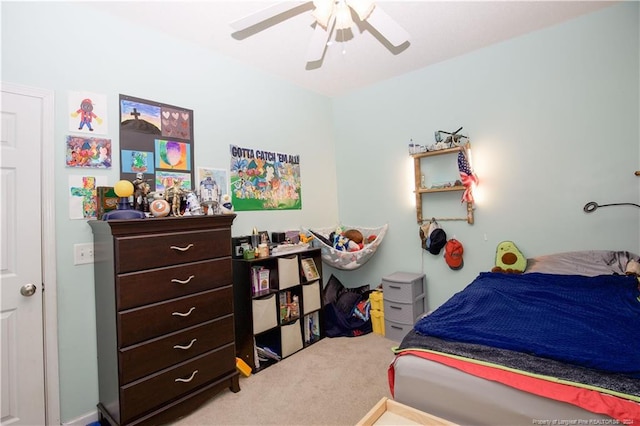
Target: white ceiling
(439, 30)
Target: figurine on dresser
(141, 192)
(210, 195)
(173, 193)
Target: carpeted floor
(333, 382)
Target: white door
(21, 317)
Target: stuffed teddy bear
(509, 259)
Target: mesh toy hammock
(347, 260)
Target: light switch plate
(82, 253)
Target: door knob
(28, 290)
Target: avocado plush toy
(509, 259)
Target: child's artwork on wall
(212, 184)
(176, 123)
(137, 162)
(164, 180)
(83, 203)
(173, 155)
(87, 113)
(156, 140)
(88, 152)
(264, 180)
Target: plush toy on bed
(509, 259)
(633, 268)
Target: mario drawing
(86, 114)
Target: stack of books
(259, 279)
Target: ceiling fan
(331, 15)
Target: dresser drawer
(154, 285)
(147, 394)
(139, 324)
(152, 251)
(153, 355)
(405, 313)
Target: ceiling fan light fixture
(343, 16)
(323, 11)
(363, 8)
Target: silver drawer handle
(175, 280)
(181, 248)
(395, 286)
(185, 347)
(179, 314)
(187, 380)
(395, 307)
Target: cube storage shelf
(267, 319)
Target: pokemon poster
(264, 180)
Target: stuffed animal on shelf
(354, 235)
(342, 243)
(509, 259)
(225, 204)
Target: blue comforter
(593, 322)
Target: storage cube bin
(291, 338)
(288, 272)
(403, 286)
(376, 299)
(310, 297)
(377, 321)
(264, 314)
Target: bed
(559, 344)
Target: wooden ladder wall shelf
(419, 190)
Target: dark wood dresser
(164, 316)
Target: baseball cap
(436, 240)
(453, 254)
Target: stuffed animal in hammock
(509, 259)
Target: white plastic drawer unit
(406, 313)
(396, 331)
(403, 287)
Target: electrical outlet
(82, 253)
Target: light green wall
(553, 118)
(69, 47)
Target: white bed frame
(469, 400)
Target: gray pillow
(588, 262)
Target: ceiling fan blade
(388, 27)
(318, 43)
(264, 14)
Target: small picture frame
(309, 269)
(264, 237)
